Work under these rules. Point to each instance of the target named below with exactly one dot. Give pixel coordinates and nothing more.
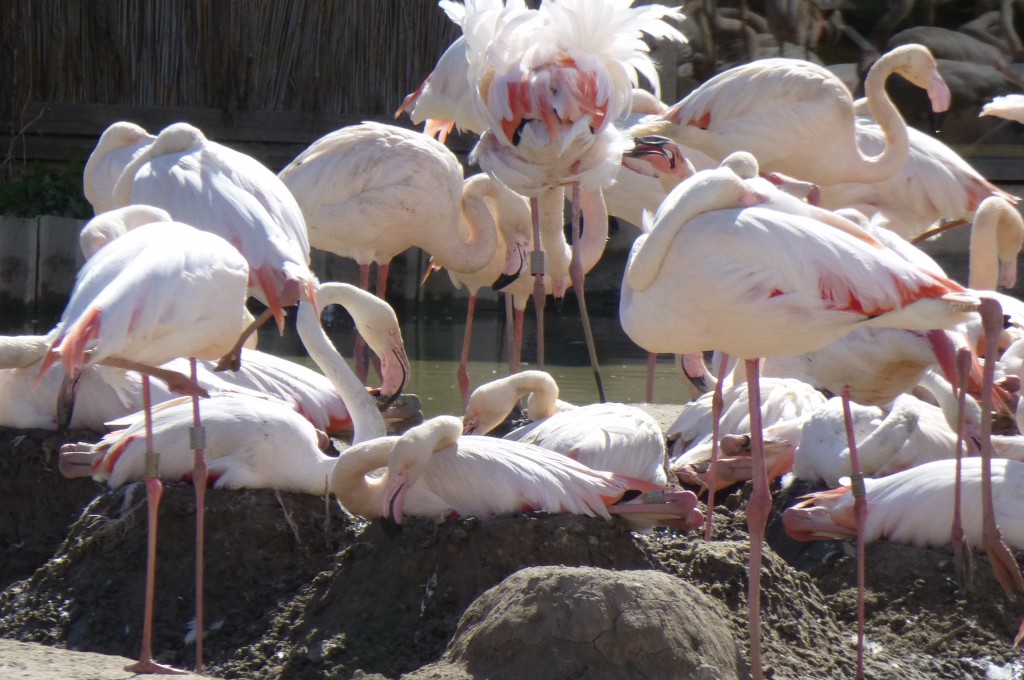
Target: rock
(571, 622)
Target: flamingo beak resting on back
(808, 522)
(658, 157)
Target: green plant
(45, 190)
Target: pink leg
(199, 479)
(962, 554)
(232, 361)
(510, 342)
(361, 362)
(1003, 563)
(860, 513)
(577, 277)
(517, 353)
(463, 373)
(652, 364)
(758, 507)
(712, 477)
(154, 491)
(537, 271)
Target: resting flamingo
(118, 146)
(915, 506)
(789, 283)
(251, 443)
(435, 471)
(809, 112)
(228, 193)
(616, 437)
(161, 291)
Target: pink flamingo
(228, 193)
(620, 438)
(789, 283)
(433, 470)
(808, 111)
(160, 291)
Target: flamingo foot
(963, 562)
(232, 361)
(177, 382)
(149, 666)
(1004, 565)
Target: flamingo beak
(806, 522)
(392, 500)
(395, 369)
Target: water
(433, 338)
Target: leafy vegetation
(45, 190)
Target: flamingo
(251, 443)
(934, 183)
(433, 470)
(997, 236)
(160, 291)
(616, 437)
(228, 193)
(808, 111)
(547, 85)
(371, 191)
(118, 146)
(915, 506)
(790, 284)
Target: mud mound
(291, 595)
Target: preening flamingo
(798, 118)
(251, 443)
(548, 84)
(915, 506)
(433, 470)
(107, 226)
(228, 193)
(615, 437)
(759, 282)
(160, 291)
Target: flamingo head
(822, 516)
(658, 157)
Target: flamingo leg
(962, 555)
(154, 491)
(577, 277)
(361, 361)
(537, 271)
(509, 332)
(199, 478)
(1004, 564)
(232, 361)
(860, 513)
(652, 363)
(176, 382)
(463, 372)
(517, 352)
(758, 507)
(712, 475)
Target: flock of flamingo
(794, 257)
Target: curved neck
(367, 422)
(543, 391)
(476, 251)
(996, 238)
(357, 492)
(885, 113)
(594, 214)
(20, 351)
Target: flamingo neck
(367, 422)
(996, 237)
(476, 251)
(897, 141)
(358, 492)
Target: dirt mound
(296, 589)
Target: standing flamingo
(160, 291)
(433, 470)
(619, 438)
(758, 282)
(371, 191)
(233, 195)
(798, 118)
(547, 85)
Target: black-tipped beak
(655, 145)
(504, 281)
(938, 120)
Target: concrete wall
(39, 257)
